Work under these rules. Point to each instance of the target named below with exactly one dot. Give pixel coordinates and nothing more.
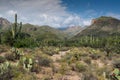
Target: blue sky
(96, 8)
(59, 13)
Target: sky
(59, 13)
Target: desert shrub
(46, 77)
(80, 67)
(10, 57)
(26, 76)
(50, 50)
(43, 60)
(100, 71)
(74, 53)
(116, 62)
(106, 70)
(35, 68)
(89, 76)
(68, 58)
(27, 42)
(2, 59)
(1, 50)
(64, 48)
(95, 56)
(8, 72)
(58, 76)
(72, 57)
(64, 68)
(11, 72)
(87, 60)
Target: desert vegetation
(83, 63)
(24, 56)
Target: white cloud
(86, 22)
(41, 12)
(11, 12)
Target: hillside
(43, 32)
(72, 31)
(39, 32)
(4, 23)
(102, 26)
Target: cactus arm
(20, 27)
(19, 31)
(13, 33)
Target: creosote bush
(87, 60)
(35, 68)
(80, 67)
(2, 59)
(43, 60)
(64, 68)
(10, 57)
(50, 50)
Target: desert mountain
(72, 31)
(4, 23)
(43, 32)
(102, 26)
(39, 32)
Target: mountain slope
(43, 32)
(4, 23)
(72, 31)
(103, 26)
(39, 32)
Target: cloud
(87, 22)
(11, 12)
(41, 12)
(0, 15)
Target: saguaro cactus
(15, 24)
(16, 30)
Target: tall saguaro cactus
(16, 30)
(15, 24)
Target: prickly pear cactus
(4, 67)
(18, 53)
(115, 74)
(27, 63)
